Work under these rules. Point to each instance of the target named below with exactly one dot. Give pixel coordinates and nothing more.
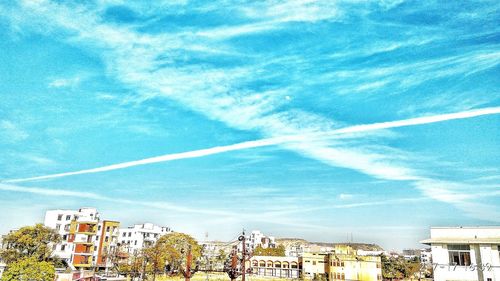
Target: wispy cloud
(12, 132)
(302, 143)
(145, 62)
(65, 82)
(89, 195)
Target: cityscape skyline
(307, 119)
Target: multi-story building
(345, 264)
(85, 242)
(139, 236)
(107, 240)
(256, 239)
(465, 253)
(270, 266)
(426, 256)
(314, 265)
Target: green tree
(156, 257)
(398, 268)
(30, 242)
(29, 268)
(276, 252)
(175, 247)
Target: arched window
(255, 263)
(294, 265)
(277, 264)
(262, 264)
(285, 265)
(269, 264)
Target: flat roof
(454, 240)
(465, 227)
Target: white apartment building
(135, 238)
(87, 241)
(465, 253)
(60, 220)
(257, 238)
(426, 256)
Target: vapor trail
(274, 141)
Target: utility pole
(244, 256)
(189, 260)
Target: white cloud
(12, 132)
(64, 82)
(345, 196)
(133, 59)
(309, 144)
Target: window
(59, 217)
(68, 217)
(135, 243)
(58, 226)
(459, 255)
(63, 247)
(66, 227)
(342, 264)
(314, 262)
(65, 237)
(107, 229)
(342, 276)
(129, 234)
(106, 239)
(99, 228)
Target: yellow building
(107, 242)
(345, 264)
(314, 265)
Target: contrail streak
(274, 141)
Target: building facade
(426, 256)
(107, 243)
(343, 263)
(256, 239)
(313, 265)
(85, 242)
(269, 266)
(347, 265)
(465, 253)
(134, 238)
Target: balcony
(84, 249)
(80, 260)
(86, 228)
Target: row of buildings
(89, 241)
(342, 263)
(454, 253)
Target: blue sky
(271, 93)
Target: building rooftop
(454, 240)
